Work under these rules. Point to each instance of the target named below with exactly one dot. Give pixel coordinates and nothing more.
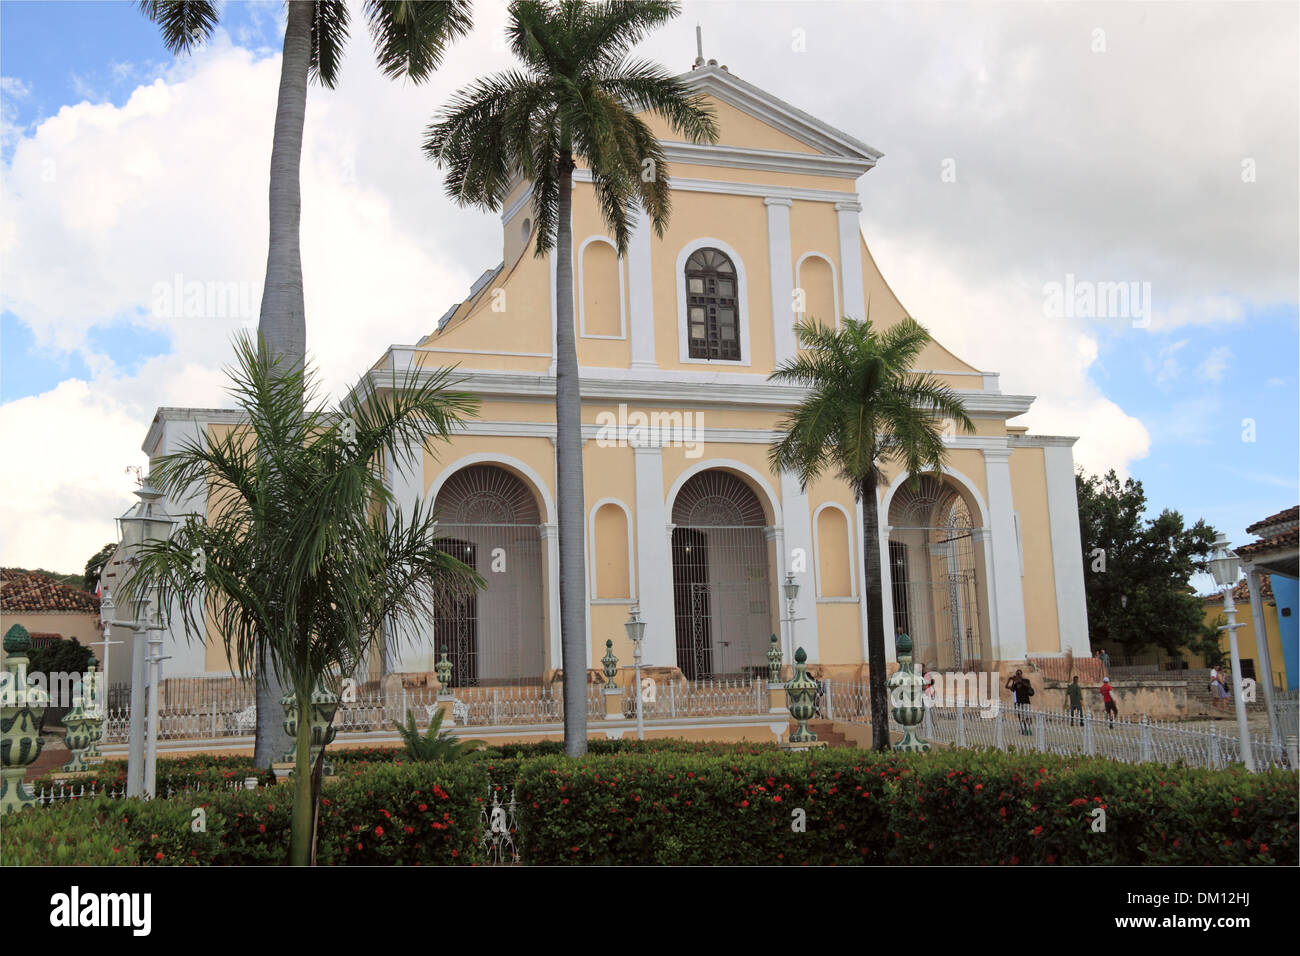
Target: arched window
(713, 314)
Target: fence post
(830, 699)
(997, 726)
(1212, 747)
(1089, 740)
(927, 721)
(961, 720)
(1146, 739)
(496, 706)
(1040, 731)
(672, 698)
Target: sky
(1027, 146)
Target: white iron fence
(235, 715)
(1000, 727)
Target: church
(684, 518)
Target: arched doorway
(935, 574)
(488, 518)
(721, 586)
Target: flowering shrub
(679, 803)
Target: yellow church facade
(684, 518)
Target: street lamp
(1224, 565)
(635, 628)
(791, 590)
(145, 521)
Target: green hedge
(710, 804)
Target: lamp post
(635, 628)
(146, 520)
(1224, 565)
(791, 590)
(155, 660)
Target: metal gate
(933, 579)
(721, 588)
(496, 636)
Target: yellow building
(1247, 644)
(684, 518)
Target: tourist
(1074, 697)
(1107, 694)
(1105, 662)
(927, 682)
(1220, 690)
(1019, 685)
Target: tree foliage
(1138, 570)
(305, 553)
(95, 566)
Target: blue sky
(1127, 173)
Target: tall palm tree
(306, 554)
(865, 406)
(410, 39)
(575, 99)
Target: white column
(188, 657)
(886, 587)
(1009, 629)
(640, 295)
(781, 270)
(798, 535)
(550, 535)
(1067, 550)
(654, 565)
(1264, 671)
(854, 294)
(409, 651)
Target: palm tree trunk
(875, 613)
(301, 825)
(568, 479)
(282, 323)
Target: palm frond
(184, 24)
(411, 37)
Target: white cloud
(1215, 364)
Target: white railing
(738, 697)
(541, 704)
(57, 791)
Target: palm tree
(306, 554)
(410, 39)
(576, 98)
(865, 406)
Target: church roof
(721, 83)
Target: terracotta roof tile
(1286, 539)
(1291, 514)
(39, 592)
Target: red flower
(744, 803)
(261, 828)
(1037, 831)
(379, 831)
(423, 807)
(1263, 848)
(158, 856)
(455, 852)
(776, 799)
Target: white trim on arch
(739, 466)
(497, 458)
(592, 591)
(990, 583)
(742, 304)
(835, 283)
(852, 596)
(582, 297)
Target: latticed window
(713, 323)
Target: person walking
(1107, 694)
(1105, 662)
(1220, 691)
(1074, 698)
(1019, 685)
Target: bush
(682, 803)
